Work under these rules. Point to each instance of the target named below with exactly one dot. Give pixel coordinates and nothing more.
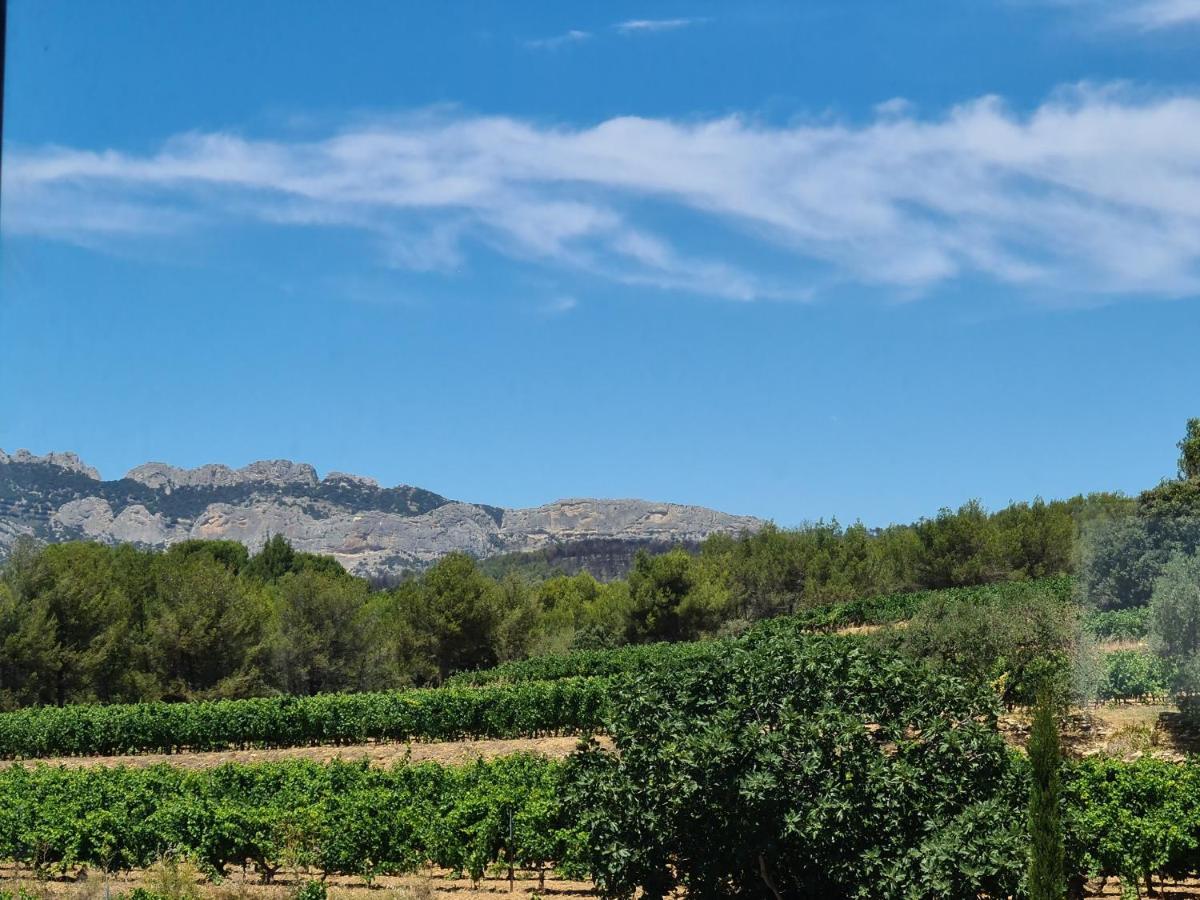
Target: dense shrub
(1019, 636)
(804, 765)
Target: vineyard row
(1122, 819)
(529, 709)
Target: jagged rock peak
(369, 530)
(69, 461)
(277, 472)
(346, 477)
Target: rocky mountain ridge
(372, 530)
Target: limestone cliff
(372, 530)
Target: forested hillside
(83, 622)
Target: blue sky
(853, 259)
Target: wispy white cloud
(574, 36)
(1094, 192)
(643, 26)
(628, 27)
(559, 306)
(1157, 14)
(1140, 15)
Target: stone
(371, 530)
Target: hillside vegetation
(798, 713)
(84, 622)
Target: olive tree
(1175, 619)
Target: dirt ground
(1126, 730)
(1114, 646)
(1183, 890)
(429, 885)
(382, 754)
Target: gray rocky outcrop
(370, 529)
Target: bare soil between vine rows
(377, 754)
(430, 885)
(425, 886)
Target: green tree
(1189, 451)
(233, 555)
(206, 628)
(93, 618)
(764, 572)
(274, 560)
(459, 609)
(29, 652)
(324, 639)
(1046, 880)
(1118, 563)
(1038, 538)
(670, 599)
(519, 623)
(961, 547)
(1024, 635)
(1175, 619)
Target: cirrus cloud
(645, 26)
(1094, 192)
(1140, 15)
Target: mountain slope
(371, 530)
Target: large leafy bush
(802, 766)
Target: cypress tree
(1046, 880)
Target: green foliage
(1175, 619)
(90, 623)
(777, 572)
(670, 599)
(1134, 674)
(883, 610)
(311, 890)
(233, 555)
(892, 608)
(322, 634)
(1122, 557)
(800, 765)
(1021, 635)
(1189, 451)
(207, 624)
(1118, 624)
(1046, 881)
(569, 705)
(274, 560)
(339, 818)
(1132, 820)
(960, 547)
(593, 663)
(456, 609)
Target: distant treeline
(86, 622)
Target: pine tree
(1046, 880)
